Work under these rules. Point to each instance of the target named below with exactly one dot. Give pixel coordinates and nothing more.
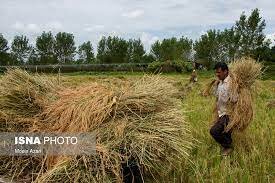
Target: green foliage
(135, 51)
(5, 58)
(170, 66)
(188, 66)
(112, 50)
(208, 46)
(269, 70)
(217, 45)
(45, 47)
(265, 53)
(118, 50)
(172, 49)
(64, 47)
(272, 54)
(156, 50)
(86, 53)
(3, 50)
(148, 58)
(250, 30)
(20, 49)
(3, 44)
(245, 38)
(33, 58)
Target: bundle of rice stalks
(149, 94)
(210, 87)
(22, 94)
(84, 108)
(133, 125)
(79, 110)
(153, 146)
(139, 127)
(21, 168)
(244, 73)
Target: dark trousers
(131, 173)
(217, 132)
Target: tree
(172, 49)
(112, 50)
(3, 44)
(101, 50)
(169, 49)
(45, 48)
(135, 51)
(184, 48)
(148, 58)
(265, 53)
(245, 38)
(3, 50)
(206, 47)
(33, 58)
(217, 45)
(86, 53)
(116, 49)
(272, 50)
(156, 50)
(230, 41)
(20, 49)
(64, 47)
(250, 30)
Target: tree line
(245, 37)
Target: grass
(253, 157)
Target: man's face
(221, 74)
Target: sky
(149, 20)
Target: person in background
(194, 77)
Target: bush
(188, 66)
(170, 66)
(269, 70)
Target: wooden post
(59, 75)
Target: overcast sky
(149, 20)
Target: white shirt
(222, 94)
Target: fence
(130, 67)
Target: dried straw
(210, 87)
(244, 73)
(79, 110)
(22, 94)
(139, 124)
(157, 144)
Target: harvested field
(251, 160)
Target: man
(194, 77)
(223, 95)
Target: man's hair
(221, 65)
